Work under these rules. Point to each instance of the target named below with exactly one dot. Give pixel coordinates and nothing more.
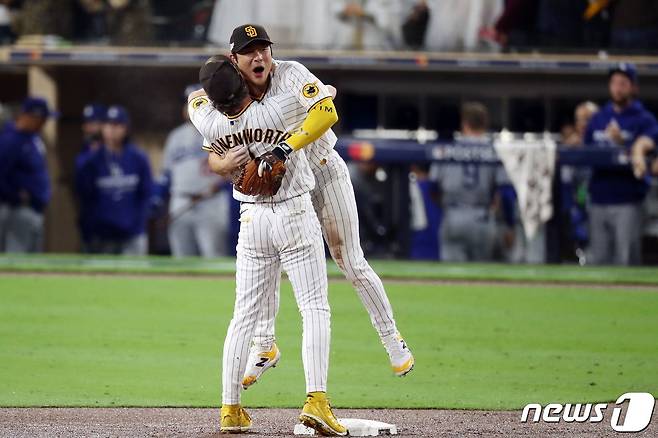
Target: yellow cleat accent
(404, 369)
(258, 363)
(317, 414)
(234, 419)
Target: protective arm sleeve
(321, 117)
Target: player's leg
(297, 234)
(335, 205)
(453, 247)
(212, 224)
(24, 232)
(257, 267)
(599, 241)
(4, 217)
(264, 352)
(181, 236)
(627, 234)
(137, 245)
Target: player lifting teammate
(277, 232)
(333, 196)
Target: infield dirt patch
(181, 422)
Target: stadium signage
(637, 418)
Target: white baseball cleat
(259, 361)
(402, 361)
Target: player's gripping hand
(227, 164)
(261, 180)
(279, 153)
(237, 157)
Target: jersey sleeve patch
(310, 90)
(198, 102)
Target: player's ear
(234, 58)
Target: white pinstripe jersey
(261, 126)
(291, 76)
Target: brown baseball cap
(246, 34)
(221, 79)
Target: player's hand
(236, 157)
(281, 153)
(639, 165)
(613, 131)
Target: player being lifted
(333, 197)
(276, 232)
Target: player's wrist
(282, 150)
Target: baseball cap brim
(237, 49)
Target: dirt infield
(180, 422)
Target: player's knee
(355, 268)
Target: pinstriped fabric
(273, 236)
(289, 79)
(278, 232)
(335, 205)
(259, 126)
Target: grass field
(386, 268)
(85, 340)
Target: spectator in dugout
(617, 194)
(114, 188)
(24, 182)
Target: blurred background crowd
(435, 25)
(136, 192)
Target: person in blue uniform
(114, 185)
(24, 181)
(93, 115)
(616, 194)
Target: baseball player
(276, 232)
(333, 200)
(93, 115)
(198, 207)
(114, 186)
(24, 182)
(467, 191)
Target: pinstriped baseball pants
(284, 235)
(335, 205)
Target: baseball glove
(261, 176)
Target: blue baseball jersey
(115, 190)
(618, 185)
(23, 167)
(84, 219)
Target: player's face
(92, 128)
(621, 89)
(36, 123)
(114, 132)
(255, 63)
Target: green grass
(112, 341)
(386, 268)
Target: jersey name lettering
(248, 136)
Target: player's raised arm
(322, 114)
(321, 117)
